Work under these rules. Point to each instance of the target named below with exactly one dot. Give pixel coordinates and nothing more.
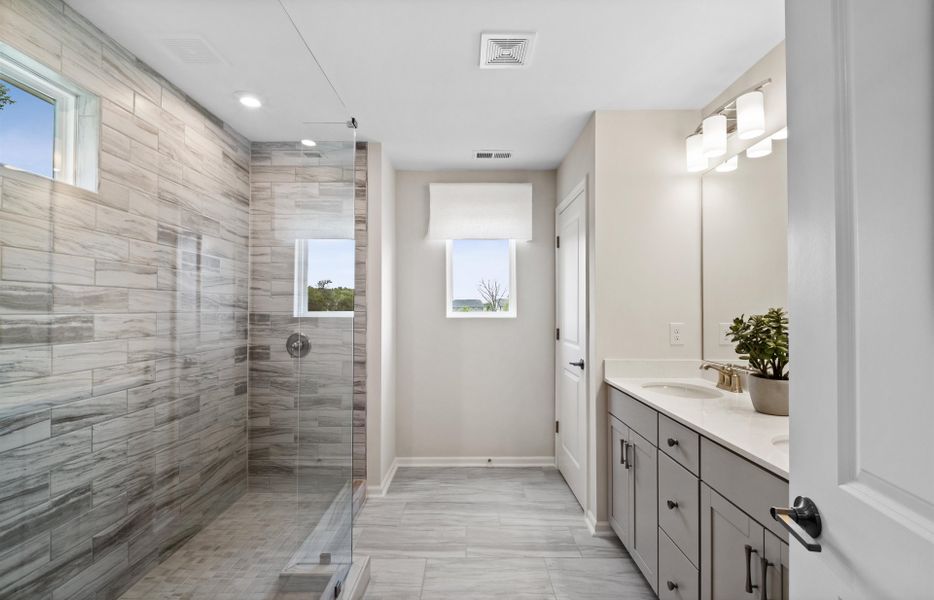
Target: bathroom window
(324, 278)
(48, 125)
(481, 279)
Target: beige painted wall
(473, 387)
(381, 331)
(644, 269)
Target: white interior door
(861, 292)
(571, 343)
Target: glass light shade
(693, 147)
(728, 165)
(759, 149)
(309, 143)
(750, 115)
(781, 134)
(714, 129)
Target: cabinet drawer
(639, 417)
(681, 521)
(675, 571)
(748, 486)
(680, 443)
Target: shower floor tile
(238, 555)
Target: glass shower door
(314, 216)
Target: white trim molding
(475, 461)
(378, 491)
(600, 529)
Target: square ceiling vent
(506, 50)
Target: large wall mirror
(745, 244)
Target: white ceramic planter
(769, 396)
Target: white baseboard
(598, 528)
(378, 491)
(476, 461)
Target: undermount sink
(682, 390)
(781, 443)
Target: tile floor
(471, 533)
(238, 556)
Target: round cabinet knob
(672, 585)
(671, 504)
(672, 442)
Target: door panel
(725, 533)
(620, 503)
(861, 255)
(644, 493)
(571, 345)
(776, 568)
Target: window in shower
(324, 278)
(48, 125)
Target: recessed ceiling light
(309, 143)
(249, 100)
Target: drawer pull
(626, 448)
(672, 586)
(749, 552)
(671, 504)
(764, 565)
(672, 442)
(622, 452)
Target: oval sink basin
(682, 390)
(781, 443)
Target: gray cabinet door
(775, 569)
(620, 516)
(644, 477)
(725, 566)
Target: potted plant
(762, 341)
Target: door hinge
(557, 241)
(557, 426)
(558, 333)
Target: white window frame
(513, 290)
(300, 293)
(77, 118)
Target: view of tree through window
(330, 275)
(27, 130)
(480, 270)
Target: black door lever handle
(579, 363)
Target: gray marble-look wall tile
(122, 428)
(45, 267)
(89, 299)
(87, 524)
(84, 413)
(25, 298)
(124, 326)
(25, 232)
(122, 377)
(17, 561)
(22, 429)
(25, 363)
(91, 244)
(125, 274)
(19, 495)
(44, 392)
(67, 358)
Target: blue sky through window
(474, 260)
(27, 132)
(331, 259)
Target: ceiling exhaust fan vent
(506, 50)
(493, 154)
(191, 50)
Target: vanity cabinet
(633, 495)
(693, 514)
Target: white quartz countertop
(729, 419)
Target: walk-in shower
(182, 326)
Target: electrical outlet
(724, 335)
(676, 334)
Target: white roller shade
(480, 211)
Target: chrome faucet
(727, 376)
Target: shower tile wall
(123, 329)
(300, 413)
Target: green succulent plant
(762, 340)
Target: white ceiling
(408, 69)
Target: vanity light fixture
(309, 143)
(750, 115)
(714, 136)
(781, 134)
(760, 149)
(249, 100)
(743, 114)
(696, 161)
(728, 165)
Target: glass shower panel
(304, 276)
